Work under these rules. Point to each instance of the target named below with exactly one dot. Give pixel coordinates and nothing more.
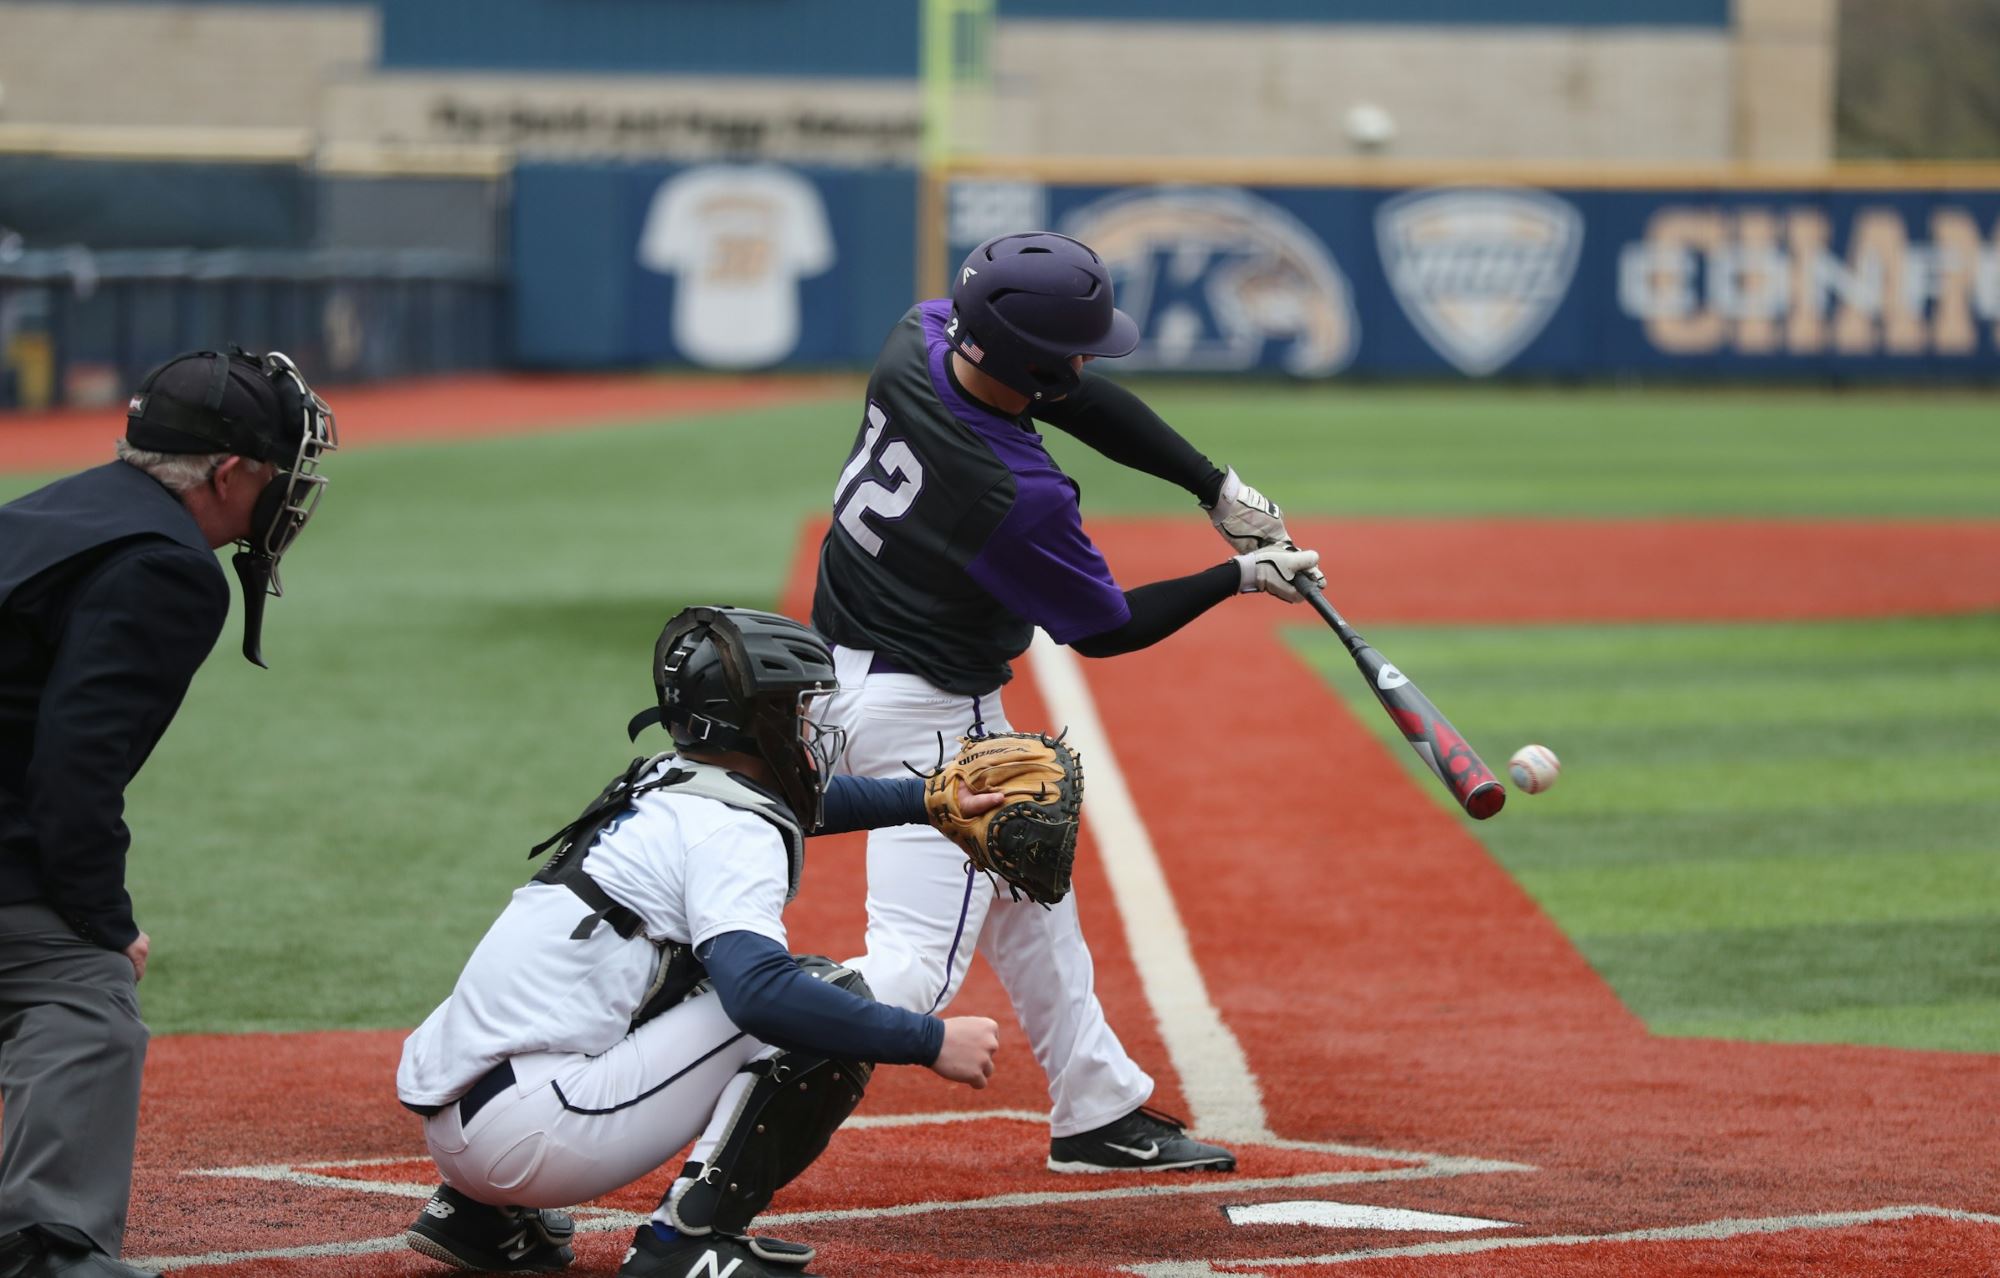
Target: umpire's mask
(255, 406)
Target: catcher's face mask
(811, 750)
(738, 680)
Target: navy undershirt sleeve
(869, 803)
(1162, 607)
(1118, 424)
(769, 996)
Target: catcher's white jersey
(691, 868)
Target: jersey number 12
(853, 501)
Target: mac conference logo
(1219, 279)
(1479, 272)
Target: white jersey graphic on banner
(737, 239)
(1479, 272)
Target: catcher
(637, 993)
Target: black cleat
(650, 1256)
(792, 1255)
(468, 1234)
(1145, 1140)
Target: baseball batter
(954, 535)
(576, 1054)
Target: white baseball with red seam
(1534, 768)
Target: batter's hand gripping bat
(1429, 733)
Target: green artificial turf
(1775, 832)
(464, 633)
(466, 625)
(1598, 452)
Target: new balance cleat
(468, 1234)
(651, 1256)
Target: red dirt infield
(436, 409)
(1419, 1034)
(1392, 989)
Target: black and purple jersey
(954, 532)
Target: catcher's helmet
(736, 679)
(1023, 304)
(255, 406)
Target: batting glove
(1246, 518)
(1274, 570)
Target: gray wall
(1546, 80)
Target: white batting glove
(1246, 518)
(1274, 569)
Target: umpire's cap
(209, 402)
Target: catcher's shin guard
(781, 1123)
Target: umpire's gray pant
(72, 1049)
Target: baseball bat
(1429, 733)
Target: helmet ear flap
(669, 653)
(699, 682)
(1025, 305)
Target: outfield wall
(1853, 276)
(113, 260)
(814, 82)
(1570, 281)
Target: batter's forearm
(1162, 607)
(1118, 424)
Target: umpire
(110, 598)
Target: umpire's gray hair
(178, 471)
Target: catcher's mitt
(1029, 840)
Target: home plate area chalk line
(326, 1175)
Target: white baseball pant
(619, 1116)
(927, 912)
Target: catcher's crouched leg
(779, 1125)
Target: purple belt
(883, 663)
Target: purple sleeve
(1042, 565)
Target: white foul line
(1705, 1231)
(1222, 1093)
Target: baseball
(1534, 768)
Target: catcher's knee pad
(782, 1122)
(822, 968)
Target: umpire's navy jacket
(110, 599)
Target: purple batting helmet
(1023, 304)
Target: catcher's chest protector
(679, 971)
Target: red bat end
(1485, 800)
